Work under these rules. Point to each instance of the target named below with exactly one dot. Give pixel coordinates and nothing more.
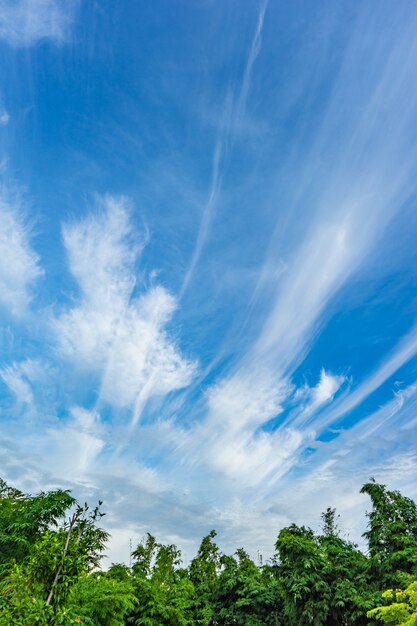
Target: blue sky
(207, 260)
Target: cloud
(4, 117)
(25, 22)
(19, 264)
(253, 53)
(352, 179)
(114, 330)
(309, 401)
(243, 450)
(378, 446)
(231, 441)
(32, 383)
(403, 352)
(321, 265)
(231, 120)
(207, 214)
(326, 388)
(14, 378)
(72, 446)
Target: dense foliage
(51, 548)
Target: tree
(391, 534)
(204, 571)
(324, 579)
(346, 573)
(330, 528)
(100, 599)
(52, 548)
(163, 588)
(402, 607)
(52, 556)
(245, 594)
(302, 567)
(23, 519)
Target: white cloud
(26, 378)
(72, 447)
(101, 252)
(405, 350)
(19, 264)
(309, 401)
(245, 401)
(14, 378)
(4, 117)
(378, 446)
(253, 54)
(112, 331)
(344, 219)
(229, 121)
(25, 22)
(326, 388)
(231, 440)
(328, 255)
(351, 181)
(142, 360)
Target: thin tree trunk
(73, 520)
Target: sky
(208, 269)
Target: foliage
(302, 565)
(101, 599)
(245, 594)
(24, 518)
(163, 588)
(392, 534)
(51, 548)
(45, 556)
(402, 609)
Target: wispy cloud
(25, 22)
(15, 379)
(19, 263)
(405, 350)
(231, 118)
(76, 442)
(4, 117)
(117, 329)
(353, 206)
(207, 215)
(378, 446)
(306, 187)
(230, 440)
(253, 53)
(344, 211)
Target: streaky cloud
(19, 263)
(116, 329)
(403, 352)
(231, 119)
(253, 53)
(26, 22)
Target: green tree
(324, 579)
(52, 555)
(391, 534)
(302, 571)
(402, 607)
(165, 593)
(346, 573)
(245, 594)
(101, 600)
(204, 571)
(23, 519)
(330, 528)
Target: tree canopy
(51, 574)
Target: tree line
(51, 549)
